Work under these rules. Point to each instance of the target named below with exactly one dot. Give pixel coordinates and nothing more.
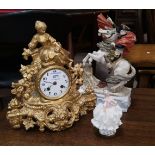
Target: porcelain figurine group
(113, 98)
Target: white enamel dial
(54, 83)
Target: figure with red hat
(108, 33)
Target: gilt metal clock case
(45, 100)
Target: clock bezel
(44, 71)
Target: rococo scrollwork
(29, 108)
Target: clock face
(54, 83)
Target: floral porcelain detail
(107, 115)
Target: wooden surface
(142, 55)
(138, 128)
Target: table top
(138, 128)
(142, 55)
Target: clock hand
(49, 87)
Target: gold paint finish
(30, 107)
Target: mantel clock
(48, 95)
